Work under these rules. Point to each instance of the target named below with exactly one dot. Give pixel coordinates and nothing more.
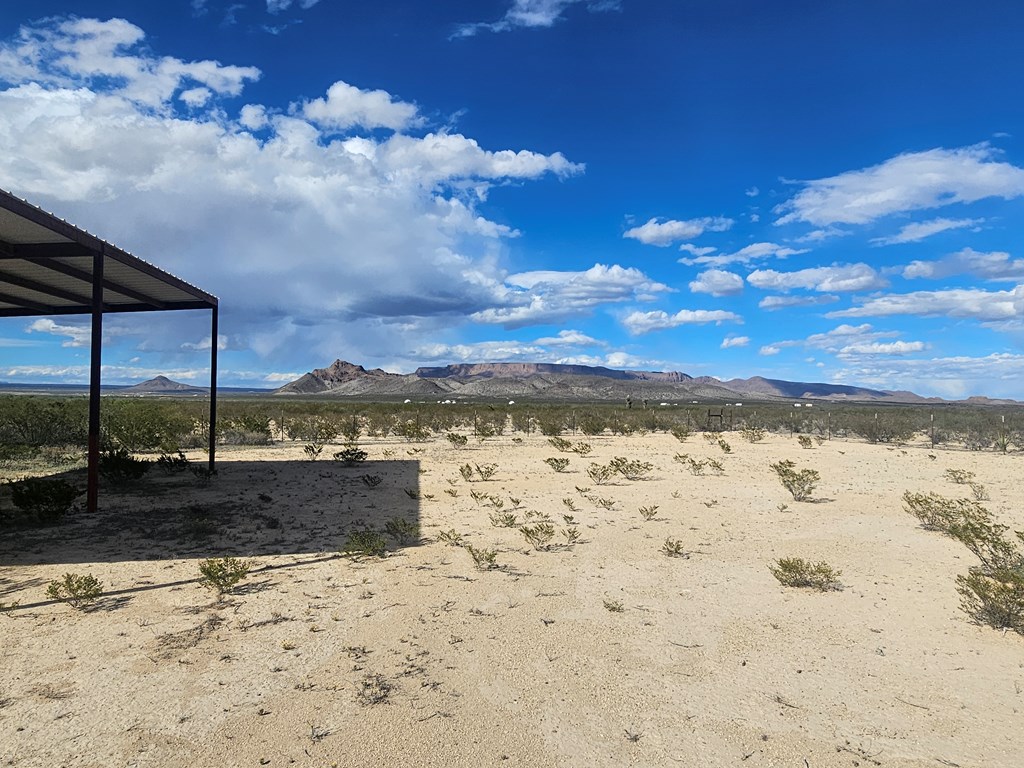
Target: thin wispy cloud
(531, 14)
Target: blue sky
(817, 191)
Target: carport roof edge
(46, 269)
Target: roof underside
(46, 268)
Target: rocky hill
(550, 381)
(161, 385)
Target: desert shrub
(801, 484)
(503, 519)
(364, 543)
(582, 449)
(313, 450)
(40, 501)
(601, 474)
(143, 424)
(457, 440)
(466, 470)
(485, 471)
(246, 429)
(551, 424)
(752, 434)
(797, 572)
(371, 481)
(673, 547)
(316, 429)
(726, 448)
(379, 424)
(680, 432)
(959, 476)
(351, 455)
(222, 574)
(76, 590)
(572, 535)
(591, 424)
(172, 464)
(451, 537)
(631, 469)
(540, 535)
(351, 428)
(401, 530)
(995, 598)
(716, 466)
(560, 444)
(36, 421)
(649, 512)
(521, 421)
(557, 464)
(484, 559)
(805, 441)
(119, 467)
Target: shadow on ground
(250, 508)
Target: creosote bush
(76, 590)
(801, 484)
(457, 440)
(540, 535)
(402, 530)
(752, 434)
(365, 543)
(674, 548)
(119, 467)
(805, 441)
(797, 572)
(40, 501)
(351, 455)
(222, 574)
(995, 598)
(484, 559)
(557, 464)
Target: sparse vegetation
(557, 464)
(673, 548)
(484, 559)
(805, 441)
(457, 440)
(76, 590)
(800, 484)
(351, 455)
(223, 574)
(39, 501)
(364, 543)
(540, 535)
(503, 520)
(402, 530)
(649, 512)
(797, 572)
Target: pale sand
(711, 662)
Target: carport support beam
(213, 390)
(92, 492)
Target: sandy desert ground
(607, 652)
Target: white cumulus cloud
(664, 233)
(838, 277)
(717, 282)
(996, 265)
(644, 322)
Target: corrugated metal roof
(46, 268)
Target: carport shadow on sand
(249, 509)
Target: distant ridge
(553, 381)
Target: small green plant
(313, 450)
(401, 530)
(412, 493)
(797, 572)
(571, 504)
(716, 466)
(582, 449)
(557, 464)
(453, 492)
(615, 606)
(605, 503)
(364, 543)
(572, 535)
(371, 481)
(485, 471)
(351, 455)
(649, 512)
(222, 573)
(800, 484)
(726, 448)
(503, 519)
(540, 535)
(484, 559)
(674, 548)
(582, 491)
(76, 590)
(805, 441)
(601, 474)
(569, 519)
(451, 537)
(560, 444)
(959, 476)
(479, 496)
(466, 470)
(696, 466)
(979, 492)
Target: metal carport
(50, 267)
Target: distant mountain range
(550, 381)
